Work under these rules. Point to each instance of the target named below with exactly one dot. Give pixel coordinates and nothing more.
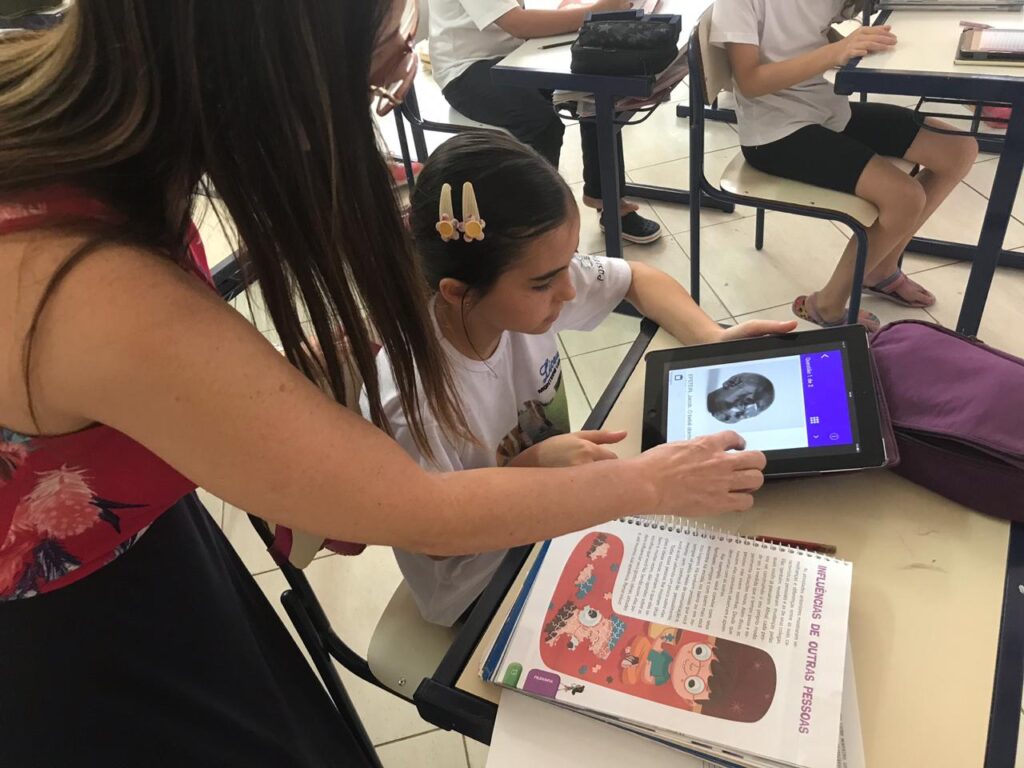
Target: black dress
(168, 656)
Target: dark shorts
(816, 155)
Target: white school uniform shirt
(782, 29)
(510, 401)
(463, 32)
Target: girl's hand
(569, 450)
(863, 41)
(753, 328)
(706, 476)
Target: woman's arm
(661, 298)
(528, 23)
(131, 341)
(754, 78)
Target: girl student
(496, 230)
(792, 124)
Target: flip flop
(805, 308)
(889, 287)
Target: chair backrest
(714, 72)
(423, 30)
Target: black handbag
(626, 43)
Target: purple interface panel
(826, 399)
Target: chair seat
(434, 108)
(405, 648)
(741, 178)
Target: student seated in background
(793, 124)
(498, 302)
(468, 37)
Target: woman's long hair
(138, 100)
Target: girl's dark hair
(138, 100)
(520, 196)
(742, 683)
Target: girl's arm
(661, 298)
(755, 78)
(129, 340)
(529, 23)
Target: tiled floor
(739, 283)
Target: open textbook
(725, 647)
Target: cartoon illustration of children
(708, 675)
(585, 625)
(598, 547)
(585, 581)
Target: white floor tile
(595, 369)
(981, 177)
(477, 753)
(669, 255)
(215, 228)
(960, 217)
(663, 137)
(437, 749)
(354, 592)
(579, 406)
(213, 505)
(246, 541)
(798, 257)
(676, 175)
(615, 330)
(1004, 311)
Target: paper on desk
(532, 732)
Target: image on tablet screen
(783, 403)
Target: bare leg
(900, 201)
(946, 160)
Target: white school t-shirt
(782, 29)
(463, 32)
(511, 401)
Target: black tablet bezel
(868, 423)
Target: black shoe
(637, 229)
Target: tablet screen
(793, 405)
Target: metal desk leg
(997, 217)
(609, 163)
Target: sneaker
(637, 229)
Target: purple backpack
(957, 409)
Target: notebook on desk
(720, 646)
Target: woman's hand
(569, 450)
(861, 42)
(753, 328)
(702, 477)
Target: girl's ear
(452, 291)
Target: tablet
(991, 46)
(806, 399)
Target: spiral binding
(685, 525)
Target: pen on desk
(558, 45)
(810, 546)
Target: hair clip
(447, 225)
(472, 225)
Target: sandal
(890, 289)
(806, 308)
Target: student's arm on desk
(660, 297)
(528, 23)
(755, 78)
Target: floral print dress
(70, 504)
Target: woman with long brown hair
(130, 634)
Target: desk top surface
(925, 611)
(928, 42)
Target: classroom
(495, 383)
